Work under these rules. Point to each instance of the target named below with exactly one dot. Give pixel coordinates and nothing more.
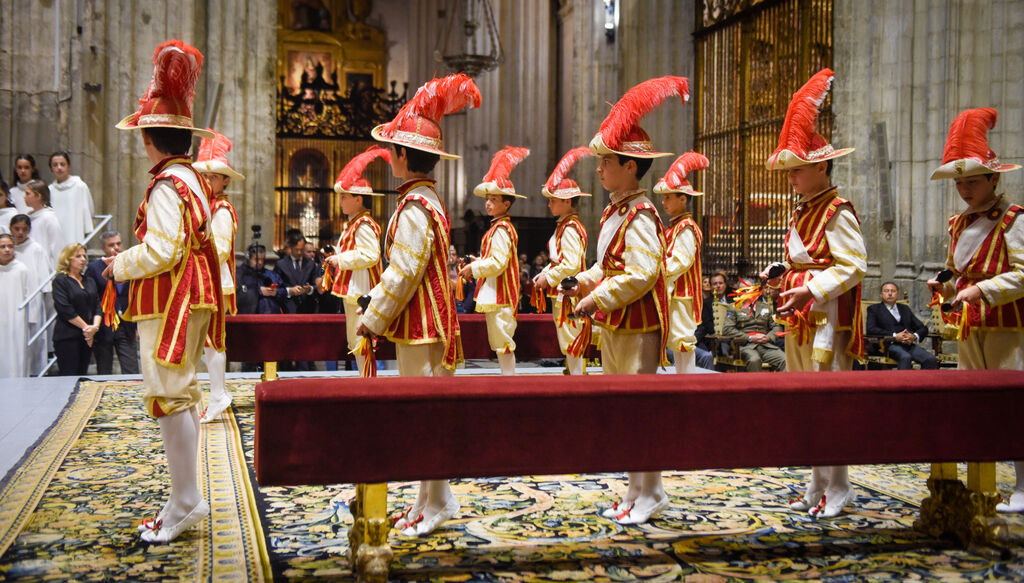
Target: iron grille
(748, 66)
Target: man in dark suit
(125, 339)
(889, 319)
(298, 274)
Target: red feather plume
(214, 149)
(176, 67)
(683, 165)
(967, 135)
(504, 161)
(638, 102)
(438, 98)
(798, 127)
(564, 165)
(354, 169)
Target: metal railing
(104, 219)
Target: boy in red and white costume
(625, 290)
(175, 286)
(986, 255)
(212, 163)
(682, 260)
(825, 261)
(356, 260)
(567, 249)
(415, 287)
(497, 270)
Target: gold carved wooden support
(369, 553)
(968, 512)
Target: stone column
(67, 91)
(915, 66)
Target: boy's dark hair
(418, 161)
(62, 154)
(28, 158)
(292, 237)
(170, 141)
(642, 164)
(828, 169)
(22, 218)
(509, 199)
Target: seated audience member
(755, 330)
(720, 291)
(890, 319)
(77, 302)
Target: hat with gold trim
(675, 180)
(417, 124)
(167, 102)
(351, 180)
(558, 186)
(496, 180)
(967, 152)
(621, 133)
(213, 156)
(799, 144)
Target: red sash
(689, 283)
(508, 280)
(989, 260)
(347, 242)
(191, 284)
(430, 313)
(215, 205)
(650, 312)
(809, 221)
(571, 221)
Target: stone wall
(67, 76)
(914, 65)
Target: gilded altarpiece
(752, 55)
(331, 70)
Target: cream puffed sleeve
(223, 228)
(846, 244)
(1009, 286)
(163, 246)
(572, 256)
(497, 256)
(642, 258)
(366, 252)
(683, 255)
(410, 251)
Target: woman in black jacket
(77, 302)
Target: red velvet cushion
(264, 337)
(321, 431)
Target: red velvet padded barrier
(323, 431)
(259, 338)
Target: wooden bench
(327, 431)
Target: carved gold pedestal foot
(370, 555)
(969, 513)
